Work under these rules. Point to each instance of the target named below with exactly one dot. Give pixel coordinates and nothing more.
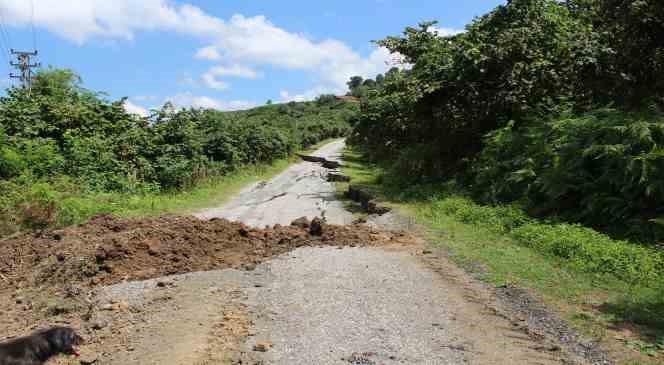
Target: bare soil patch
(50, 278)
(108, 250)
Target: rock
(98, 325)
(301, 222)
(316, 228)
(373, 207)
(106, 307)
(359, 195)
(120, 306)
(263, 346)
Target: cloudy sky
(225, 54)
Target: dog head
(63, 340)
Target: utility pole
(25, 67)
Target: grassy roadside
(211, 193)
(624, 314)
(75, 208)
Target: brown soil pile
(107, 250)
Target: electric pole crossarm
(25, 67)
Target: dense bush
(62, 133)
(603, 168)
(516, 107)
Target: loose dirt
(108, 250)
(50, 278)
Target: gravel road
(356, 305)
(299, 191)
(371, 306)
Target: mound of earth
(108, 250)
(51, 278)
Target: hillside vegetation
(543, 120)
(555, 105)
(61, 142)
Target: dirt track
(178, 290)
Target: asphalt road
(323, 305)
(301, 190)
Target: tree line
(552, 105)
(60, 135)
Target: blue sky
(226, 54)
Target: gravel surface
(354, 305)
(323, 305)
(301, 190)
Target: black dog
(37, 348)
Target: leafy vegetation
(61, 141)
(552, 105)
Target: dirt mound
(108, 250)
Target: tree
(354, 83)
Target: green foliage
(582, 248)
(516, 108)
(632, 69)
(501, 218)
(594, 252)
(516, 59)
(63, 132)
(603, 168)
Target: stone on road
(301, 190)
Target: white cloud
(186, 100)
(211, 81)
(211, 77)
(445, 32)
(79, 20)
(311, 94)
(135, 109)
(208, 53)
(234, 70)
(151, 98)
(238, 40)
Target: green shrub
(603, 169)
(11, 162)
(583, 248)
(500, 218)
(71, 142)
(594, 252)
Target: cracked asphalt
(331, 306)
(301, 190)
